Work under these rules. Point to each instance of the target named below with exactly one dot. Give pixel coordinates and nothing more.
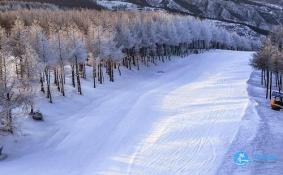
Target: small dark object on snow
(37, 116)
(2, 156)
(277, 104)
(160, 72)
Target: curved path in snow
(177, 118)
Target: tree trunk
(73, 76)
(261, 77)
(94, 73)
(78, 77)
(9, 115)
(41, 82)
(62, 82)
(270, 84)
(267, 83)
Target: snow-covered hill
(254, 13)
(177, 118)
(250, 18)
(260, 15)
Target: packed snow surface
(260, 136)
(177, 118)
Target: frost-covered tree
(60, 54)
(269, 59)
(16, 87)
(77, 53)
(41, 45)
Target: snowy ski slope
(177, 118)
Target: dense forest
(37, 46)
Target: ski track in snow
(178, 122)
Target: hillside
(259, 15)
(255, 14)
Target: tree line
(37, 47)
(47, 4)
(269, 59)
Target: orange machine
(277, 104)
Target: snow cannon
(276, 102)
(2, 156)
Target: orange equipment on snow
(277, 104)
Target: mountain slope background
(259, 15)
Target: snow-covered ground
(180, 117)
(260, 136)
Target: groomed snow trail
(177, 118)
